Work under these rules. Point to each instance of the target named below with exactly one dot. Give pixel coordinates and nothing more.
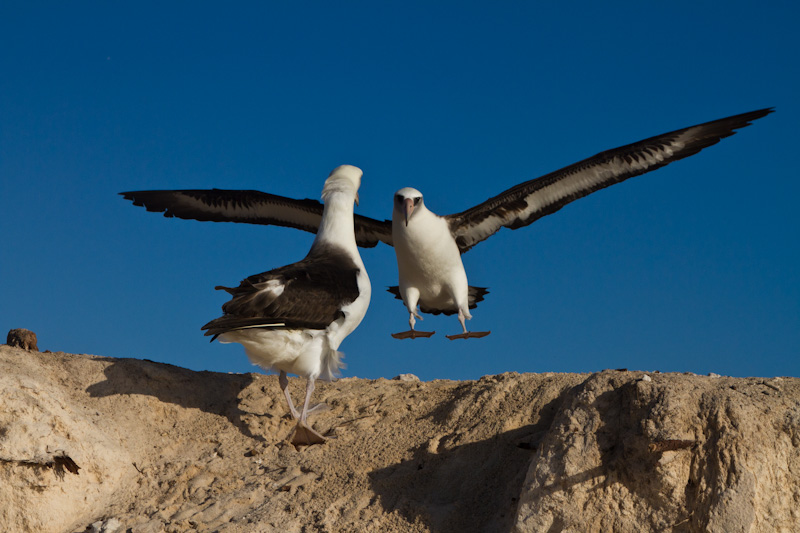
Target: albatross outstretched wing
(252, 207)
(527, 202)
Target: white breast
(354, 312)
(428, 258)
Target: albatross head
(345, 178)
(406, 200)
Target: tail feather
(223, 324)
(476, 295)
(331, 365)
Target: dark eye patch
(417, 199)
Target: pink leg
(303, 435)
(309, 392)
(284, 383)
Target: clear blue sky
(694, 267)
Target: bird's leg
(410, 298)
(283, 381)
(411, 316)
(412, 333)
(463, 317)
(303, 434)
(309, 392)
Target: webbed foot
(468, 335)
(412, 334)
(302, 435)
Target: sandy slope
(161, 448)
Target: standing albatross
(428, 246)
(293, 318)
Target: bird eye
(417, 199)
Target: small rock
(111, 525)
(714, 375)
(405, 377)
(22, 338)
(646, 378)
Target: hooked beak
(408, 209)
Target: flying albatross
(428, 246)
(293, 318)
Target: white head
(406, 201)
(345, 179)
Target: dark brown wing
(530, 201)
(252, 207)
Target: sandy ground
(177, 450)
(162, 448)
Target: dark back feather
(314, 291)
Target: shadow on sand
(211, 392)
(472, 487)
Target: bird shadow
(212, 392)
(471, 487)
(476, 486)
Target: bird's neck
(337, 223)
